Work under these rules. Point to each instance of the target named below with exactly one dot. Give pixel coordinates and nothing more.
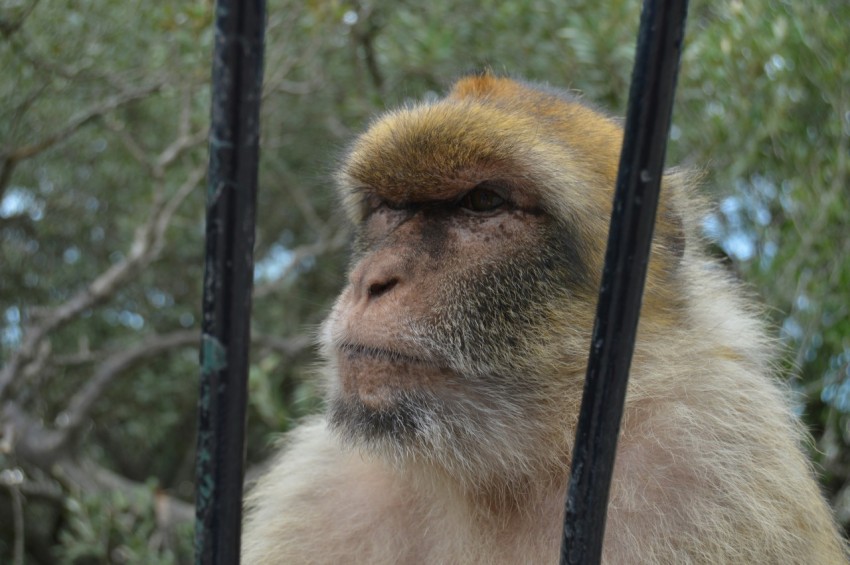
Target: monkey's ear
(679, 207)
(671, 238)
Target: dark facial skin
(430, 336)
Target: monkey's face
(447, 319)
(440, 287)
(464, 325)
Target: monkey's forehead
(487, 128)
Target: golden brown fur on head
(456, 357)
(488, 126)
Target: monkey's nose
(374, 277)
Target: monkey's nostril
(377, 289)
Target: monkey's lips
(379, 376)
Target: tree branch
(9, 158)
(18, 513)
(146, 246)
(87, 477)
(324, 244)
(364, 35)
(80, 405)
(9, 27)
(288, 346)
(42, 446)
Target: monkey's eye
(395, 205)
(481, 199)
(375, 203)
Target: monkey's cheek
(379, 383)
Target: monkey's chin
(389, 430)
(378, 378)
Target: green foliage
(117, 528)
(786, 221)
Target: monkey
(456, 352)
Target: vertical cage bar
(237, 76)
(659, 47)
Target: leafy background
(103, 121)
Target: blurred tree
(103, 126)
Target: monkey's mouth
(355, 351)
(378, 377)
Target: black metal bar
(659, 46)
(237, 77)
